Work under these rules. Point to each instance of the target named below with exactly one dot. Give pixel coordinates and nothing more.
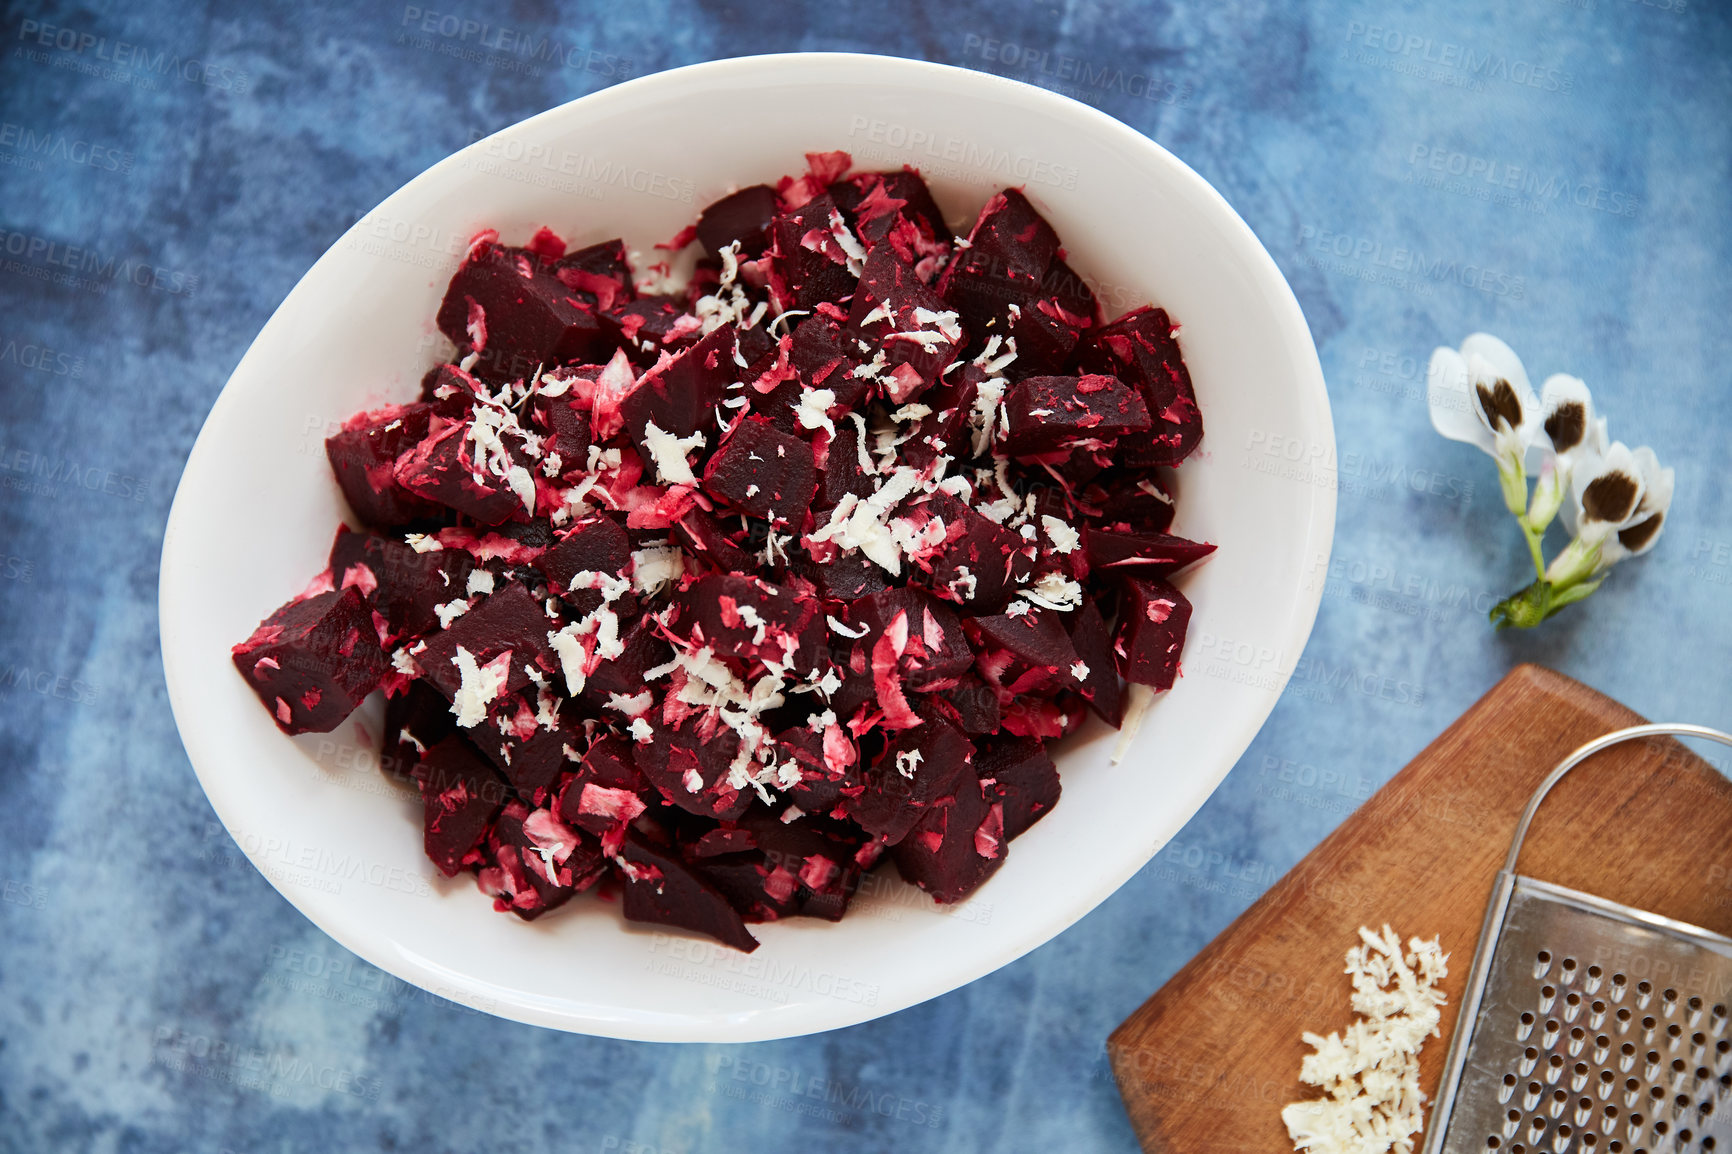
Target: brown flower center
(1611, 497)
(1642, 532)
(1566, 425)
(1500, 403)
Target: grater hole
(1708, 1143)
(1623, 1018)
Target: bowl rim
(648, 1024)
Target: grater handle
(1617, 736)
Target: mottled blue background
(142, 959)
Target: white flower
(1571, 432)
(1619, 501)
(1642, 530)
(1481, 395)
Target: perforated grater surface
(1597, 1028)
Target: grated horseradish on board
(1370, 1076)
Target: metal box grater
(1596, 1028)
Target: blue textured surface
(156, 994)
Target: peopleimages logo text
(122, 54)
(1481, 64)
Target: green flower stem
(1534, 536)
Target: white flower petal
(1644, 527)
(1594, 479)
(1449, 393)
(1567, 410)
(1500, 359)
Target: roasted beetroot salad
(717, 594)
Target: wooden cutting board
(1207, 1063)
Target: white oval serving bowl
(256, 508)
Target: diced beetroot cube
(511, 306)
(978, 560)
(918, 333)
(1070, 293)
(1011, 231)
(604, 811)
(1094, 648)
(507, 621)
(1046, 335)
(1038, 654)
(652, 325)
(449, 390)
(936, 648)
(825, 356)
(749, 618)
(953, 849)
(921, 769)
(1134, 501)
(818, 855)
(1004, 263)
(460, 796)
(945, 431)
(539, 862)
(829, 765)
(706, 538)
(976, 704)
(401, 585)
(849, 577)
(526, 737)
(624, 675)
(1151, 632)
(661, 889)
(763, 472)
(363, 455)
(1145, 554)
(721, 842)
(595, 545)
(897, 207)
(415, 721)
(1048, 413)
(598, 274)
(760, 890)
(442, 468)
(843, 473)
(609, 763)
(1022, 776)
(1139, 348)
(812, 253)
(680, 395)
(752, 344)
(312, 661)
(743, 216)
(691, 769)
(566, 421)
